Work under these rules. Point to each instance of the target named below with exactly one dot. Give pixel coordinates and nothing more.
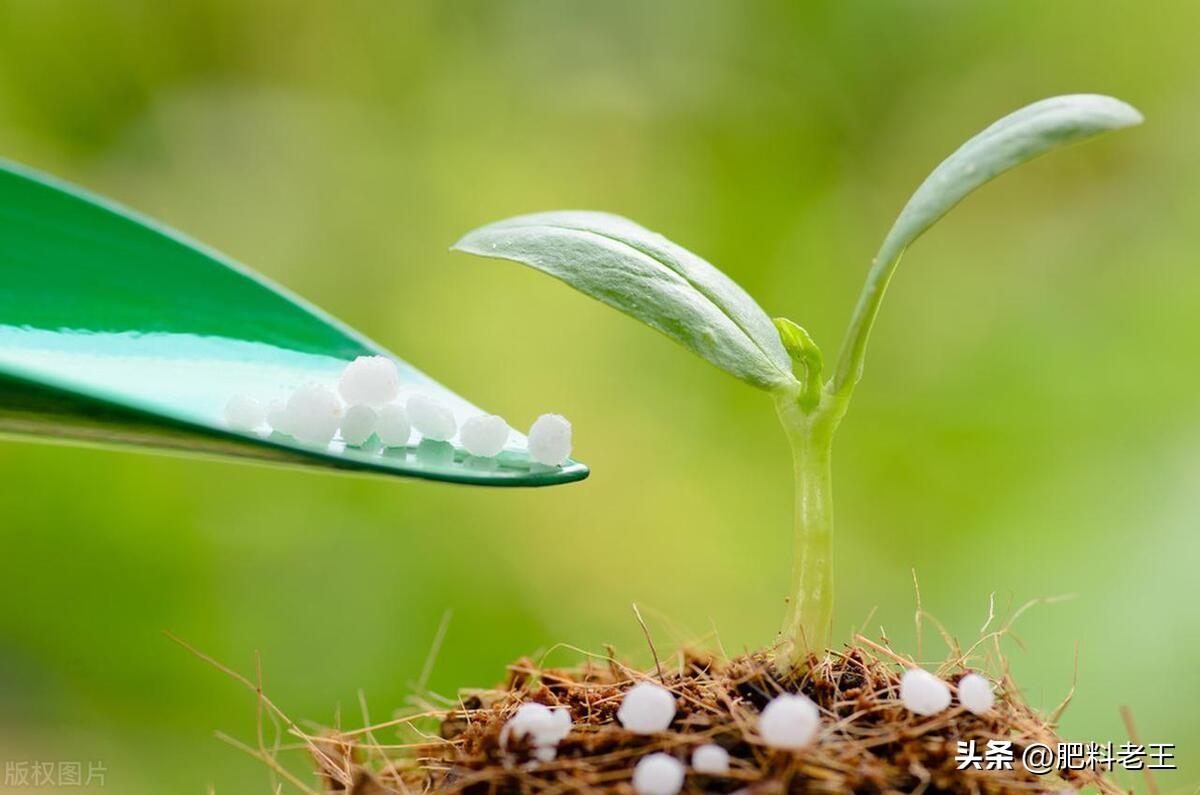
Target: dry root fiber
(869, 743)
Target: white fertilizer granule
(314, 414)
(432, 418)
(484, 435)
(647, 708)
(658, 774)
(392, 427)
(711, 760)
(370, 381)
(550, 439)
(923, 693)
(277, 417)
(544, 727)
(975, 694)
(789, 721)
(358, 425)
(243, 413)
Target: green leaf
(650, 278)
(1011, 141)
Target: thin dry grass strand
(435, 648)
(262, 699)
(716, 636)
(991, 613)
(260, 712)
(917, 617)
(1062, 707)
(1127, 718)
(649, 641)
(270, 762)
(680, 635)
(870, 614)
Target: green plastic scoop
(117, 330)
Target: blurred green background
(1027, 425)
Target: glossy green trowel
(117, 330)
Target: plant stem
(809, 614)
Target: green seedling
(681, 295)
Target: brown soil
(869, 741)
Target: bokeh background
(1027, 426)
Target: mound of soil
(869, 743)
